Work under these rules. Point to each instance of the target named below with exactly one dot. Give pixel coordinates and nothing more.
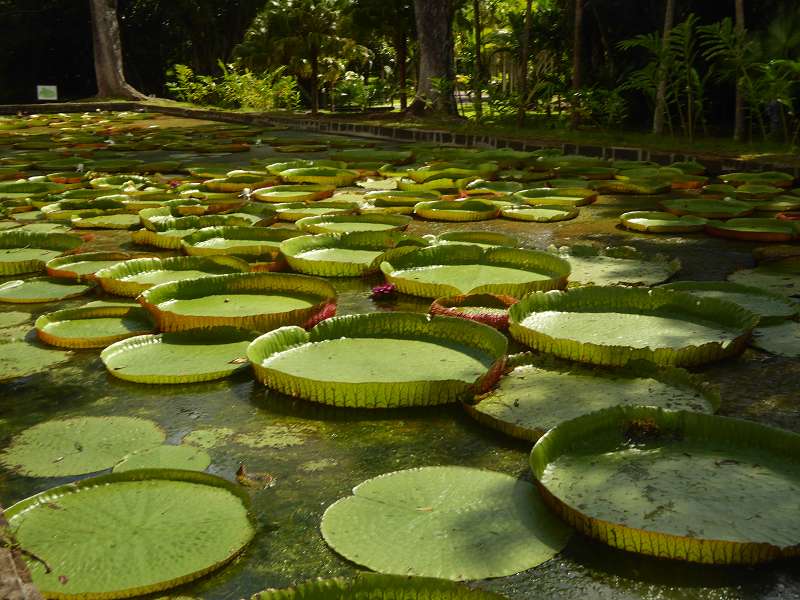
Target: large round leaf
(353, 223)
(661, 222)
(452, 270)
(39, 290)
(64, 447)
(754, 230)
(257, 301)
(485, 239)
(27, 252)
(457, 210)
(780, 276)
(84, 265)
(247, 242)
(381, 360)
(782, 339)
(536, 397)
(20, 358)
(131, 533)
(769, 306)
(448, 522)
(92, 327)
(614, 325)
(675, 484)
(165, 457)
(621, 265)
(184, 357)
(131, 277)
(346, 255)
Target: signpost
(47, 92)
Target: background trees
(640, 64)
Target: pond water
(318, 454)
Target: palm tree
(661, 92)
(107, 45)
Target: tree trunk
(401, 58)
(477, 82)
(108, 52)
(435, 34)
(523, 59)
(661, 92)
(314, 59)
(577, 60)
(738, 123)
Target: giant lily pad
(675, 484)
(27, 252)
(756, 229)
(40, 289)
(452, 270)
(621, 265)
(775, 178)
(256, 301)
(782, 339)
(20, 358)
(105, 221)
(457, 210)
(345, 255)
(568, 199)
(183, 357)
(66, 447)
(353, 223)
(84, 265)
(661, 222)
(293, 193)
(381, 360)
(769, 306)
(255, 243)
(92, 327)
(540, 214)
(294, 211)
(131, 277)
(614, 325)
(165, 457)
(368, 586)
(484, 239)
(534, 398)
(780, 276)
(106, 541)
(708, 209)
(448, 522)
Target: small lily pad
(448, 522)
(65, 447)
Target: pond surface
(318, 454)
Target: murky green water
(317, 454)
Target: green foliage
(235, 88)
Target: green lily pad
(84, 265)
(168, 240)
(707, 209)
(255, 301)
(769, 306)
(782, 339)
(20, 358)
(248, 242)
(294, 211)
(183, 357)
(447, 522)
(380, 360)
(453, 270)
(539, 214)
(66, 447)
(484, 239)
(207, 438)
(149, 529)
(661, 222)
(534, 398)
(27, 252)
(565, 198)
(620, 265)
(614, 325)
(293, 193)
(781, 277)
(457, 210)
(92, 327)
(131, 277)
(346, 255)
(754, 229)
(122, 221)
(675, 484)
(368, 586)
(353, 223)
(775, 178)
(40, 290)
(12, 319)
(165, 457)
(647, 186)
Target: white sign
(47, 92)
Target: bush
(236, 89)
